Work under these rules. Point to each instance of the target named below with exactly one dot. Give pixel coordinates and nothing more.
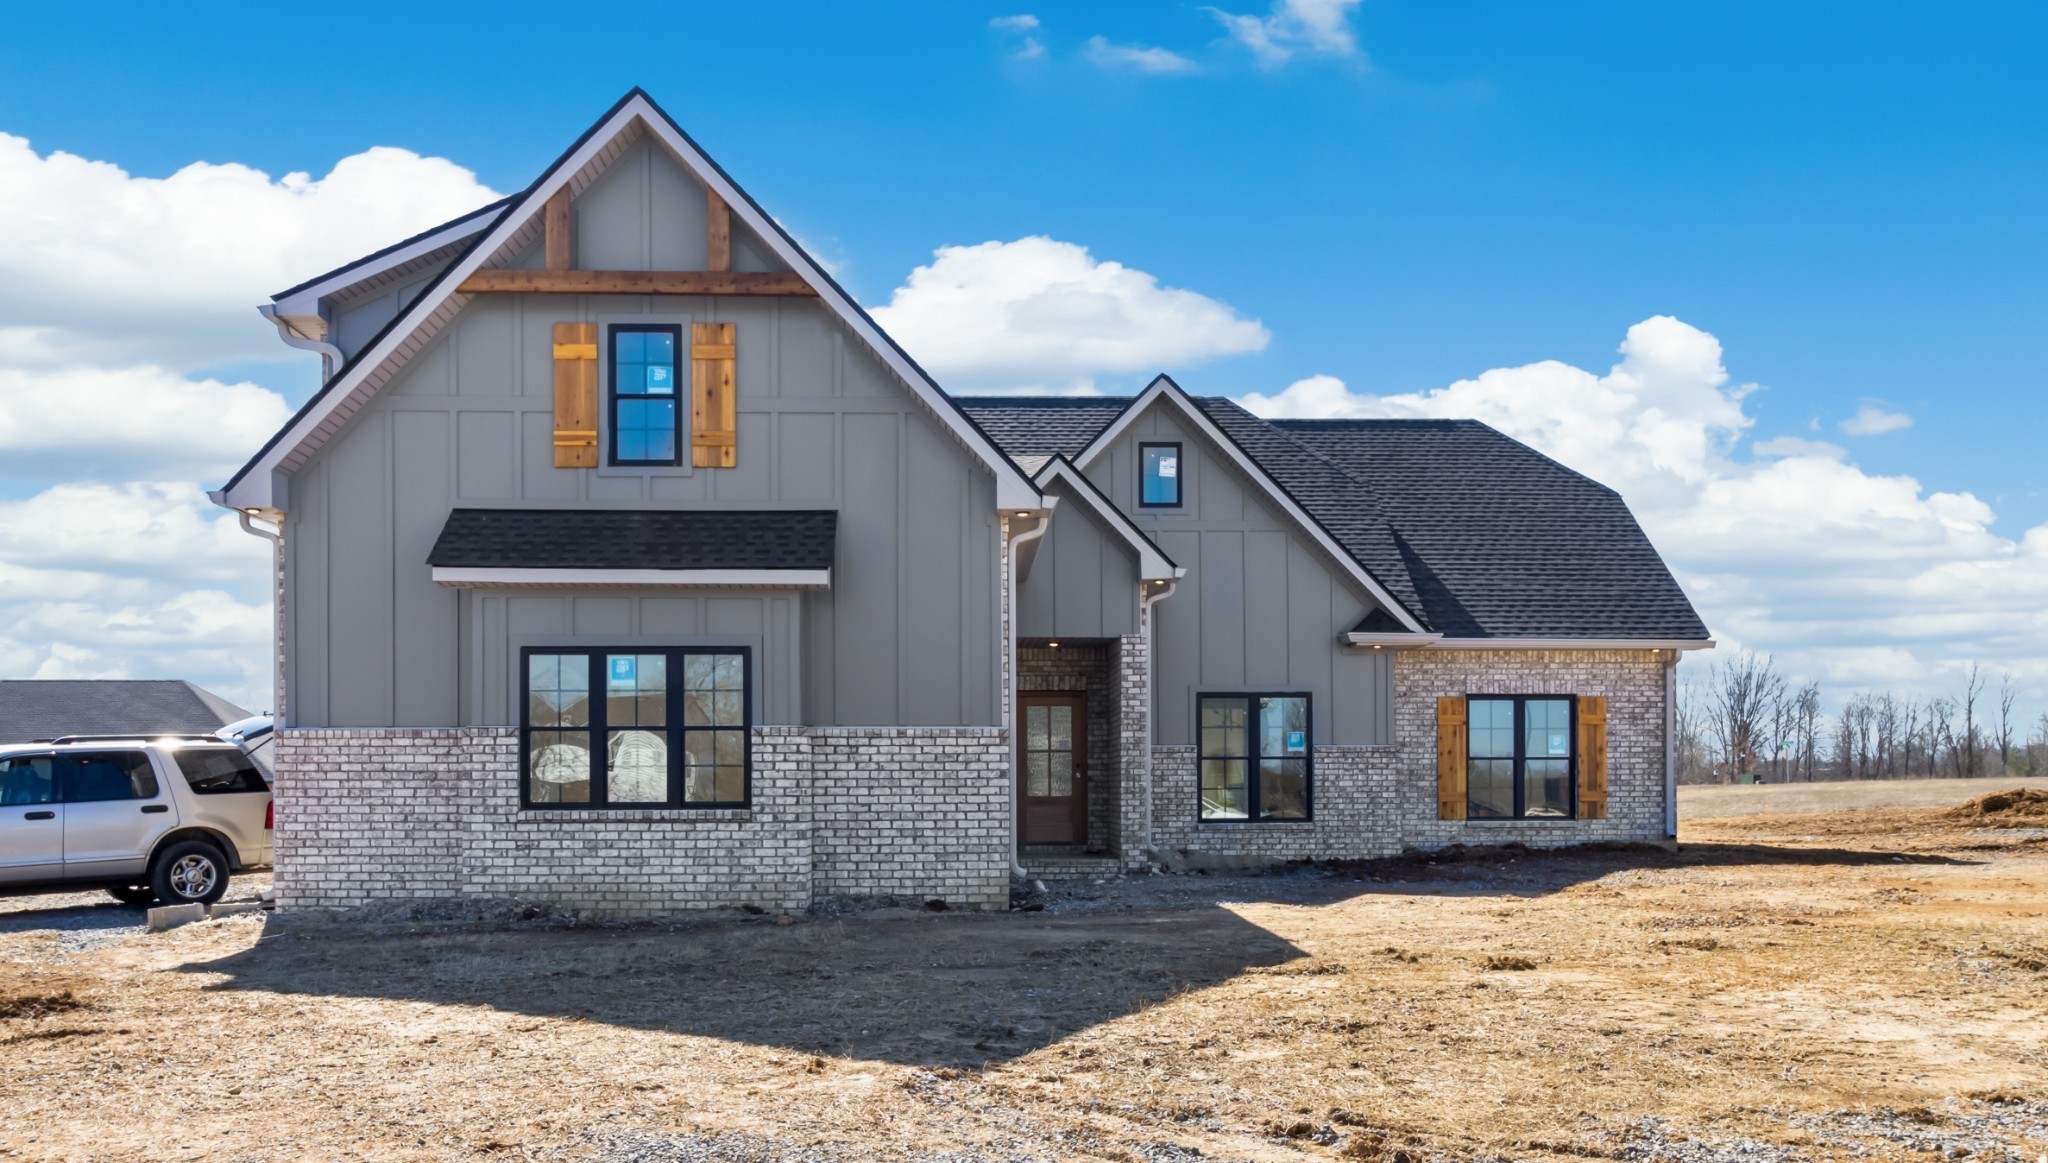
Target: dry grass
(1510, 1005)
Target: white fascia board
(1392, 641)
(464, 577)
(1153, 564)
(1013, 489)
(1165, 389)
(306, 300)
(1575, 644)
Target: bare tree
(1745, 689)
(1807, 727)
(1972, 761)
(2006, 695)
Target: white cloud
(112, 269)
(1321, 26)
(71, 421)
(1030, 50)
(1873, 420)
(1852, 577)
(1141, 58)
(1039, 314)
(1022, 22)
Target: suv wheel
(133, 894)
(190, 872)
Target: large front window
(1254, 757)
(644, 418)
(636, 727)
(1519, 758)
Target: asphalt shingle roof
(636, 539)
(1477, 534)
(35, 709)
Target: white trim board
(465, 577)
(1163, 388)
(254, 487)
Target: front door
(1052, 768)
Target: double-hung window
(1159, 476)
(646, 422)
(1519, 758)
(1254, 759)
(636, 727)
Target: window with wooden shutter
(1450, 758)
(1592, 757)
(713, 409)
(575, 395)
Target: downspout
(1150, 593)
(1017, 541)
(1671, 747)
(331, 357)
(276, 539)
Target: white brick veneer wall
(1377, 801)
(370, 814)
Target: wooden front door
(1052, 767)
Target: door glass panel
(560, 765)
(27, 779)
(1060, 777)
(1062, 728)
(96, 777)
(1037, 774)
(1037, 728)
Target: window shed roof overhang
(780, 548)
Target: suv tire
(133, 894)
(190, 872)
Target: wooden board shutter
(1592, 757)
(1450, 758)
(575, 395)
(713, 431)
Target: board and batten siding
(1261, 607)
(1084, 580)
(908, 634)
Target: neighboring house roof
(40, 709)
(1478, 534)
(637, 539)
(511, 232)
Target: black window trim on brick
(1180, 494)
(611, 391)
(1252, 756)
(599, 725)
(1521, 758)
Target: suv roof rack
(141, 737)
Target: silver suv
(164, 818)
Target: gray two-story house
(623, 562)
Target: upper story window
(641, 398)
(638, 727)
(1254, 757)
(1519, 758)
(1159, 476)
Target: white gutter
(1042, 520)
(1393, 641)
(331, 357)
(460, 577)
(276, 539)
(1150, 594)
(1671, 747)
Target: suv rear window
(97, 776)
(218, 771)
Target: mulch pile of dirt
(2015, 805)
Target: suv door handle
(148, 809)
(39, 815)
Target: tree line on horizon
(1741, 718)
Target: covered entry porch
(1082, 755)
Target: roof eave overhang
(1391, 641)
(251, 488)
(478, 577)
(1163, 388)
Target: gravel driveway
(84, 921)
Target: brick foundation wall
(1377, 801)
(379, 814)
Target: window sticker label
(1169, 466)
(1297, 742)
(623, 668)
(1557, 743)
(660, 379)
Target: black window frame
(1252, 757)
(611, 391)
(599, 725)
(1180, 492)
(1521, 757)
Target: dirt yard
(1825, 986)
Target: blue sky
(1841, 203)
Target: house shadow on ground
(951, 990)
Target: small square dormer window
(1159, 476)
(641, 400)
